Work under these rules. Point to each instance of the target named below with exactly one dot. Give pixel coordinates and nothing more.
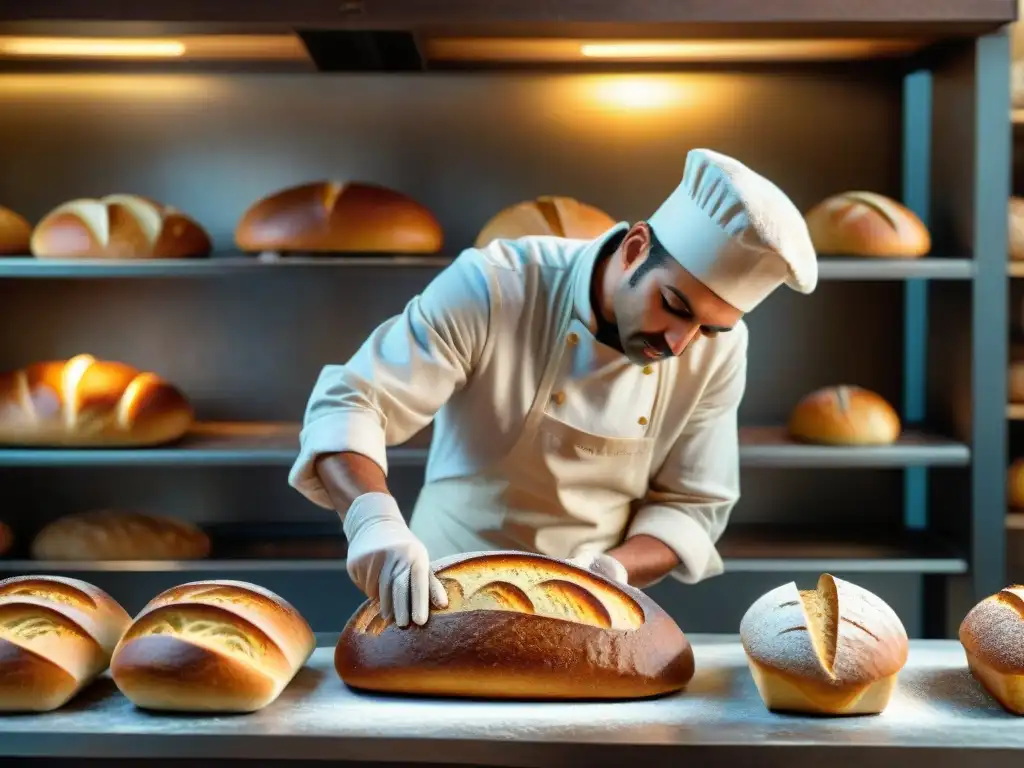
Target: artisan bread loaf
(335, 216)
(548, 215)
(1016, 233)
(6, 538)
(844, 415)
(56, 636)
(519, 625)
(85, 402)
(834, 650)
(1015, 484)
(15, 233)
(220, 646)
(866, 224)
(992, 634)
(1015, 384)
(118, 227)
(109, 534)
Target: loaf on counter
(992, 634)
(867, 224)
(85, 402)
(328, 216)
(547, 215)
(110, 534)
(834, 650)
(56, 636)
(15, 233)
(844, 415)
(520, 625)
(211, 646)
(118, 227)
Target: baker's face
(660, 307)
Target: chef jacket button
(573, 339)
(648, 370)
(642, 421)
(558, 397)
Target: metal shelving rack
(955, 156)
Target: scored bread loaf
(834, 650)
(992, 635)
(546, 215)
(15, 233)
(109, 534)
(56, 636)
(866, 224)
(118, 227)
(211, 646)
(328, 216)
(844, 415)
(85, 402)
(520, 625)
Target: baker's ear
(636, 244)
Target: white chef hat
(735, 231)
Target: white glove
(603, 565)
(388, 563)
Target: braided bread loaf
(547, 215)
(520, 625)
(223, 646)
(56, 636)
(15, 233)
(108, 534)
(118, 227)
(87, 402)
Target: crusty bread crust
(992, 634)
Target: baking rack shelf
(830, 268)
(254, 443)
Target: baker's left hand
(603, 565)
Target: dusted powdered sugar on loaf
(994, 630)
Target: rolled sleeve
(692, 495)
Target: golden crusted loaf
(1016, 231)
(222, 646)
(521, 626)
(992, 634)
(328, 216)
(547, 215)
(834, 650)
(85, 402)
(118, 227)
(56, 636)
(866, 224)
(111, 534)
(844, 415)
(15, 233)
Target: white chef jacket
(468, 353)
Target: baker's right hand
(388, 563)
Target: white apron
(560, 491)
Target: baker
(584, 395)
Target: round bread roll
(866, 224)
(85, 402)
(120, 535)
(1015, 385)
(327, 216)
(1016, 228)
(992, 635)
(211, 646)
(844, 415)
(519, 625)
(1015, 484)
(56, 636)
(118, 227)
(547, 215)
(834, 650)
(6, 539)
(15, 233)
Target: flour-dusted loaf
(15, 233)
(844, 415)
(85, 402)
(335, 216)
(520, 625)
(866, 224)
(834, 650)
(992, 634)
(113, 534)
(118, 227)
(211, 646)
(547, 215)
(56, 636)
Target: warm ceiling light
(734, 50)
(72, 47)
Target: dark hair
(657, 255)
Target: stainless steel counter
(939, 716)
